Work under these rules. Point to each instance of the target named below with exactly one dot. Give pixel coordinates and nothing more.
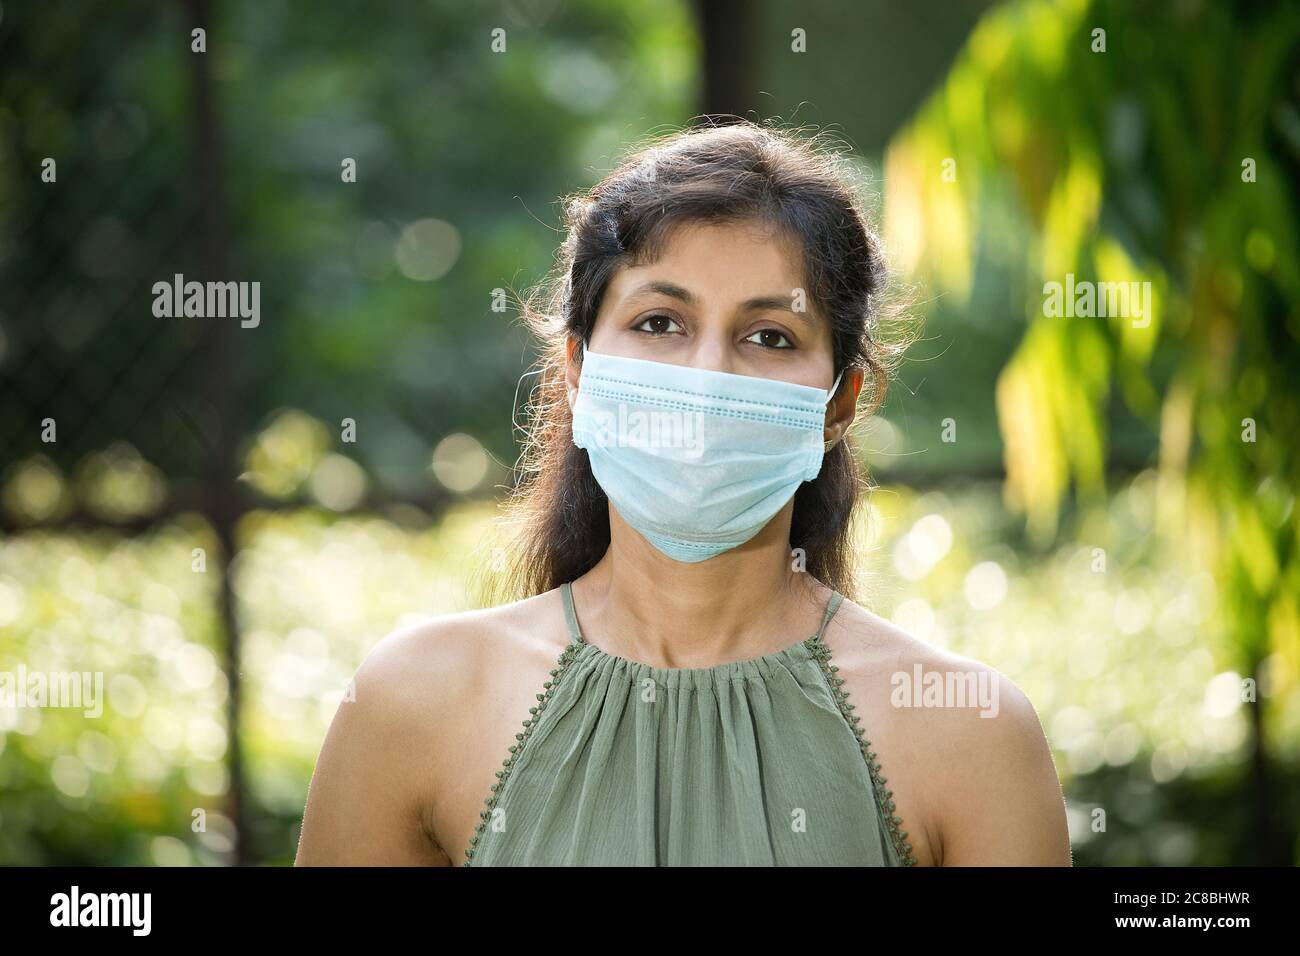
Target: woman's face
(724, 297)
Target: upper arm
(369, 794)
(1001, 798)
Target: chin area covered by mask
(697, 461)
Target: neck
(749, 601)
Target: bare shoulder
(447, 677)
(411, 740)
(436, 668)
(959, 742)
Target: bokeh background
(1114, 525)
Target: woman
(689, 683)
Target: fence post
(219, 377)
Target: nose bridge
(713, 347)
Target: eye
(771, 339)
(659, 321)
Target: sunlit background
(1077, 501)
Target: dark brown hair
(714, 174)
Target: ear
(843, 407)
(572, 369)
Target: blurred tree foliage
(376, 295)
(1113, 141)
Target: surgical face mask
(695, 460)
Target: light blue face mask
(695, 460)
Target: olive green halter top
(758, 762)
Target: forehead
(720, 261)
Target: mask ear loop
(835, 387)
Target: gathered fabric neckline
(623, 762)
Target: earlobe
(834, 440)
(572, 374)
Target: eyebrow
(763, 303)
